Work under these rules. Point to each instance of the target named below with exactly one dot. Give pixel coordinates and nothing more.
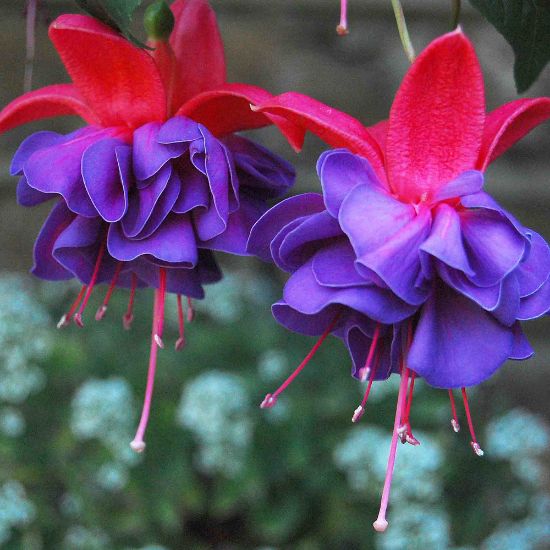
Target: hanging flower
(157, 180)
(404, 256)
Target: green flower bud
(158, 21)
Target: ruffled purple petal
(369, 217)
(535, 305)
(456, 343)
(101, 171)
(521, 348)
(467, 183)
(35, 142)
(308, 324)
(445, 241)
(340, 171)
(269, 225)
(57, 169)
(535, 269)
(258, 169)
(194, 190)
(494, 245)
(179, 130)
(397, 261)
(334, 265)
(27, 196)
(149, 156)
(312, 233)
(509, 301)
(303, 293)
(142, 202)
(173, 242)
(45, 265)
(234, 239)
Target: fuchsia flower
(157, 180)
(404, 256)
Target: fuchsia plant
(404, 256)
(157, 180)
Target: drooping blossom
(404, 256)
(157, 180)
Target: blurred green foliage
(219, 472)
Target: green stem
(455, 17)
(402, 28)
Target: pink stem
(30, 44)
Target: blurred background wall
(280, 45)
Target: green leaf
(526, 26)
(115, 13)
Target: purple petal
(521, 348)
(27, 196)
(141, 202)
(259, 169)
(174, 242)
(535, 305)
(102, 178)
(309, 324)
(45, 265)
(194, 193)
(30, 145)
(534, 271)
(57, 169)
(217, 172)
(494, 245)
(78, 248)
(334, 265)
(456, 343)
(397, 261)
(163, 207)
(178, 130)
(299, 244)
(509, 301)
(148, 154)
(467, 183)
(233, 240)
(267, 227)
(445, 241)
(370, 217)
(303, 293)
(340, 171)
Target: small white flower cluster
(16, 510)
(417, 485)
(215, 408)
(23, 340)
(105, 410)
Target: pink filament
(366, 369)
(454, 422)
(271, 398)
(138, 444)
(103, 307)
(190, 310)
(342, 28)
(160, 308)
(474, 443)
(78, 316)
(65, 319)
(180, 343)
(358, 413)
(381, 523)
(128, 317)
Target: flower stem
(403, 31)
(455, 16)
(30, 45)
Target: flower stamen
(405, 431)
(454, 421)
(190, 310)
(180, 342)
(475, 445)
(66, 318)
(160, 312)
(381, 522)
(128, 317)
(358, 412)
(100, 313)
(271, 398)
(365, 371)
(342, 27)
(137, 444)
(93, 279)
